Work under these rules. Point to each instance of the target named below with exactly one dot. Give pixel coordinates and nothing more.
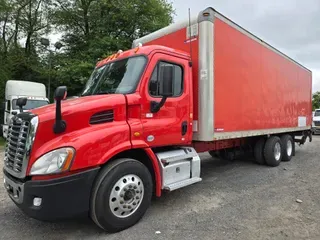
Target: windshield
(117, 77)
(317, 113)
(31, 104)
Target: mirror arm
(59, 95)
(59, 125)
(155, 106)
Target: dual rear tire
(273, 150)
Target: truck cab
(125, 112)
(34, 92)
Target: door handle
(184, 128)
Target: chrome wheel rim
(289, 148)
(277, 151)
(126, 196)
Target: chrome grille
(16, 144)
(21, 134)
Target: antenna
(190, 63)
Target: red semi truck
(204, 84)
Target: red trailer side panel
(254, 86)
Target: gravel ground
(239, 200)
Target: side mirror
(59, 95)
(21, 102)
(166, 81)
(165, 87)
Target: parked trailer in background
(146, 113)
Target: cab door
(171, 125)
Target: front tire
(273, 151)
(121, 195)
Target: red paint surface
(177, 40)
(256, 88)
(156, 170)
(94, 144)
(164, 128)
(217, 145)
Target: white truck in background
(34, 92)
(316, 121)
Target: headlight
(56, 161)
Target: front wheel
(121, 195)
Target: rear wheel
(228, 154)
(287, 147)
(259, 151)
(121, 195)
(214, 154)
(273, 151)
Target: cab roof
(143, 50)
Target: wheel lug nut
(129, 207)
(130, 186)
(121, 202)
(134, 203)
(137, 191)
(124, 206)
(135, 187)
(121, 195)
(137, 197)
(126, 189)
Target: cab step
(177, 185)
(180, 167)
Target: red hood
(77, 113)
(81, 105)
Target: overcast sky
(292, 26)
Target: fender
(156, 169)
(94, 145)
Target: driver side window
(154, 83)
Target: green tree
(91, 29)
(22, 23)
(316, 100)
(96, 28)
